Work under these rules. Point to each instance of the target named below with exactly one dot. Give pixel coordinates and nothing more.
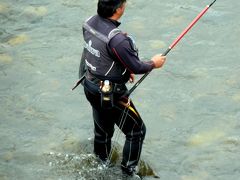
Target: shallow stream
(191, 107)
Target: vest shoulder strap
(113, 33)
(99, 35)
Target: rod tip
(212, 3)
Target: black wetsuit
(114, 60)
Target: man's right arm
(125, 54)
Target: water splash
(85, 165)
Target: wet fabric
(114, 60)
(126, 117)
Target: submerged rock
(3, 8)
(5, 58)
(19, 39)
(36, 11)
(205, 138)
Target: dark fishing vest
(97, 55)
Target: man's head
(110, 8)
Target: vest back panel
(97, 55)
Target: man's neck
(115, 18)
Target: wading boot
(129, 173)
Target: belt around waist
(93, 79)
(117, 88)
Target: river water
(191, 106)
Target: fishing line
(118, 133)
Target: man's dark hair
(106, 8)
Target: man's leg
(103, 126)
(103, 131)
(134, 129)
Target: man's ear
(120, 9)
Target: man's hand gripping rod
(173, 44)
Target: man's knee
(137, 133)
(103, 136)
(143, 131)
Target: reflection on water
(191, 106)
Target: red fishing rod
(173, 44)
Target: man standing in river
(109, 61)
